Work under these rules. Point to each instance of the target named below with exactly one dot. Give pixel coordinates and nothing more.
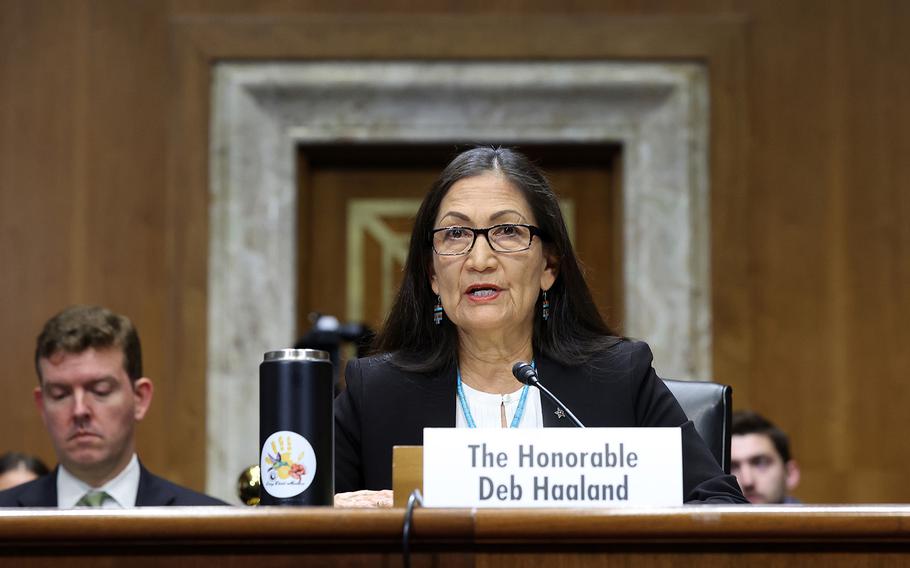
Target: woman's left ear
(433, 285)
(550, 271)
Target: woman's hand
(364, 499)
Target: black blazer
(383, 406)
(153, 491)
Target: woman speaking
(491, 279)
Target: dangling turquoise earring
(545, 307)
(437, 311)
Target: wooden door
(356, 218)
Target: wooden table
(282, 536)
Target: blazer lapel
(558, 381)
(151, 492)
(434, 407)
(42, 492)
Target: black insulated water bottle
(296, 428)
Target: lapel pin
(559, 413)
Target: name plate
(552, 467)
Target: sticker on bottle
(288, 464)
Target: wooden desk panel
(456, 538)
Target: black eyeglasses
(507, 237)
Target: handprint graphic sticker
(287, 463)
(280, 462)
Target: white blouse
(485, 408)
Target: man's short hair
(79, 328)
(748, 422)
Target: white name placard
(552, 467)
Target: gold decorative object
(248, 486)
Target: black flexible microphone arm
(527, 374)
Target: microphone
(526, 374)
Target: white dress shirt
(122, 489)
(486, 408)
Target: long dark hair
(574, 332)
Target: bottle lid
(297, 355)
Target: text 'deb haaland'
(553, 467)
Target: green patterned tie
(93, 499)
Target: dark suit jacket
(383, 406)
(153, 491)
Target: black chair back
(710, 407)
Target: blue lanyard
(519, 412)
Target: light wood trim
(187, 235)
(430, 36)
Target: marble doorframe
(261, 111)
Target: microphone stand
(528, 375)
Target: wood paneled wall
(103, 190)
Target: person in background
(91, 393)
(490, 279)
(761, 461)
(17, 468)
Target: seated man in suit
(90, 394)
(761, 461)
